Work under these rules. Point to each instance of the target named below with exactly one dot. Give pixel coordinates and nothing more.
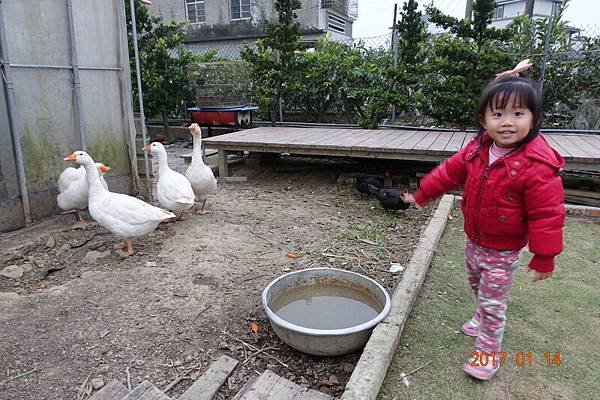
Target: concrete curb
(369, 373)
(585, 212)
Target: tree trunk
(168, 133)
(274, 115)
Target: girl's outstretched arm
(410, 199)
(449, 175)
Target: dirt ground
(82, 312)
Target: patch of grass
(559, 315)
(371, 230)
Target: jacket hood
(540, 150)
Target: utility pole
(529, 8)
(469, 9)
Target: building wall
(308, 16)
(46, 109)
(219, 27)
(514, 8)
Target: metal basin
(324, 342)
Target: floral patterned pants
(490, 274)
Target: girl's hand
(540, 276)
(410, 199)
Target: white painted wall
(37, 33)
(514, 8)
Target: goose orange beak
(104, 168)
(71, 157)
(146, 148)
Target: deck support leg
(223, 167)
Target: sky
(375, 17)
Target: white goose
(199, 174)
(73, 188)
(68, 176)
(173, 190)
(125, 216)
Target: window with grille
(240, 9)
(195, 11)
(555, 8)
(499, 12)
(336, 23)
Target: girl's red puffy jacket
(519, 198)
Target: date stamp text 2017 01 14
(520, 359)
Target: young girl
(513, 196)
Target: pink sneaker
(481, 372)
(471, 327)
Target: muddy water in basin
(325, 306)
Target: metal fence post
(394, 55)
(139, 87)
(545, 58)
(75, 74)
(12, 118)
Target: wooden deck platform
(581, 152)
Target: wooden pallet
(270, 386)
(581, 152)
(205, 387)
(267, 386)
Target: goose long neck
(197, 151)
(162, 161)
(93, 179)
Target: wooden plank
(398, 143)
(583, 193)
(554, 144)
(468, 137)
(282, 389)
(261, 387)
(314, 135)
(146, 391)
(375, 136)
(586, 201)
(576, 152)
(207, 386)
(234, 136)
(592, 151)
(426, 142)
(344, 141)
(254, 136)
(455, 142)
(295, 138)
(283, 136)
(270, 386)
(114, 390)
(359, 137)
(264, 137)
(245, 388)
(439, 145)
(593, 141)
(413, 140)
(222, 161)
(377, 142)
(310, 394)
(326, 137)
(406, 144)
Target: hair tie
(520, 67)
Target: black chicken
(390, 199)
(362, 181)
